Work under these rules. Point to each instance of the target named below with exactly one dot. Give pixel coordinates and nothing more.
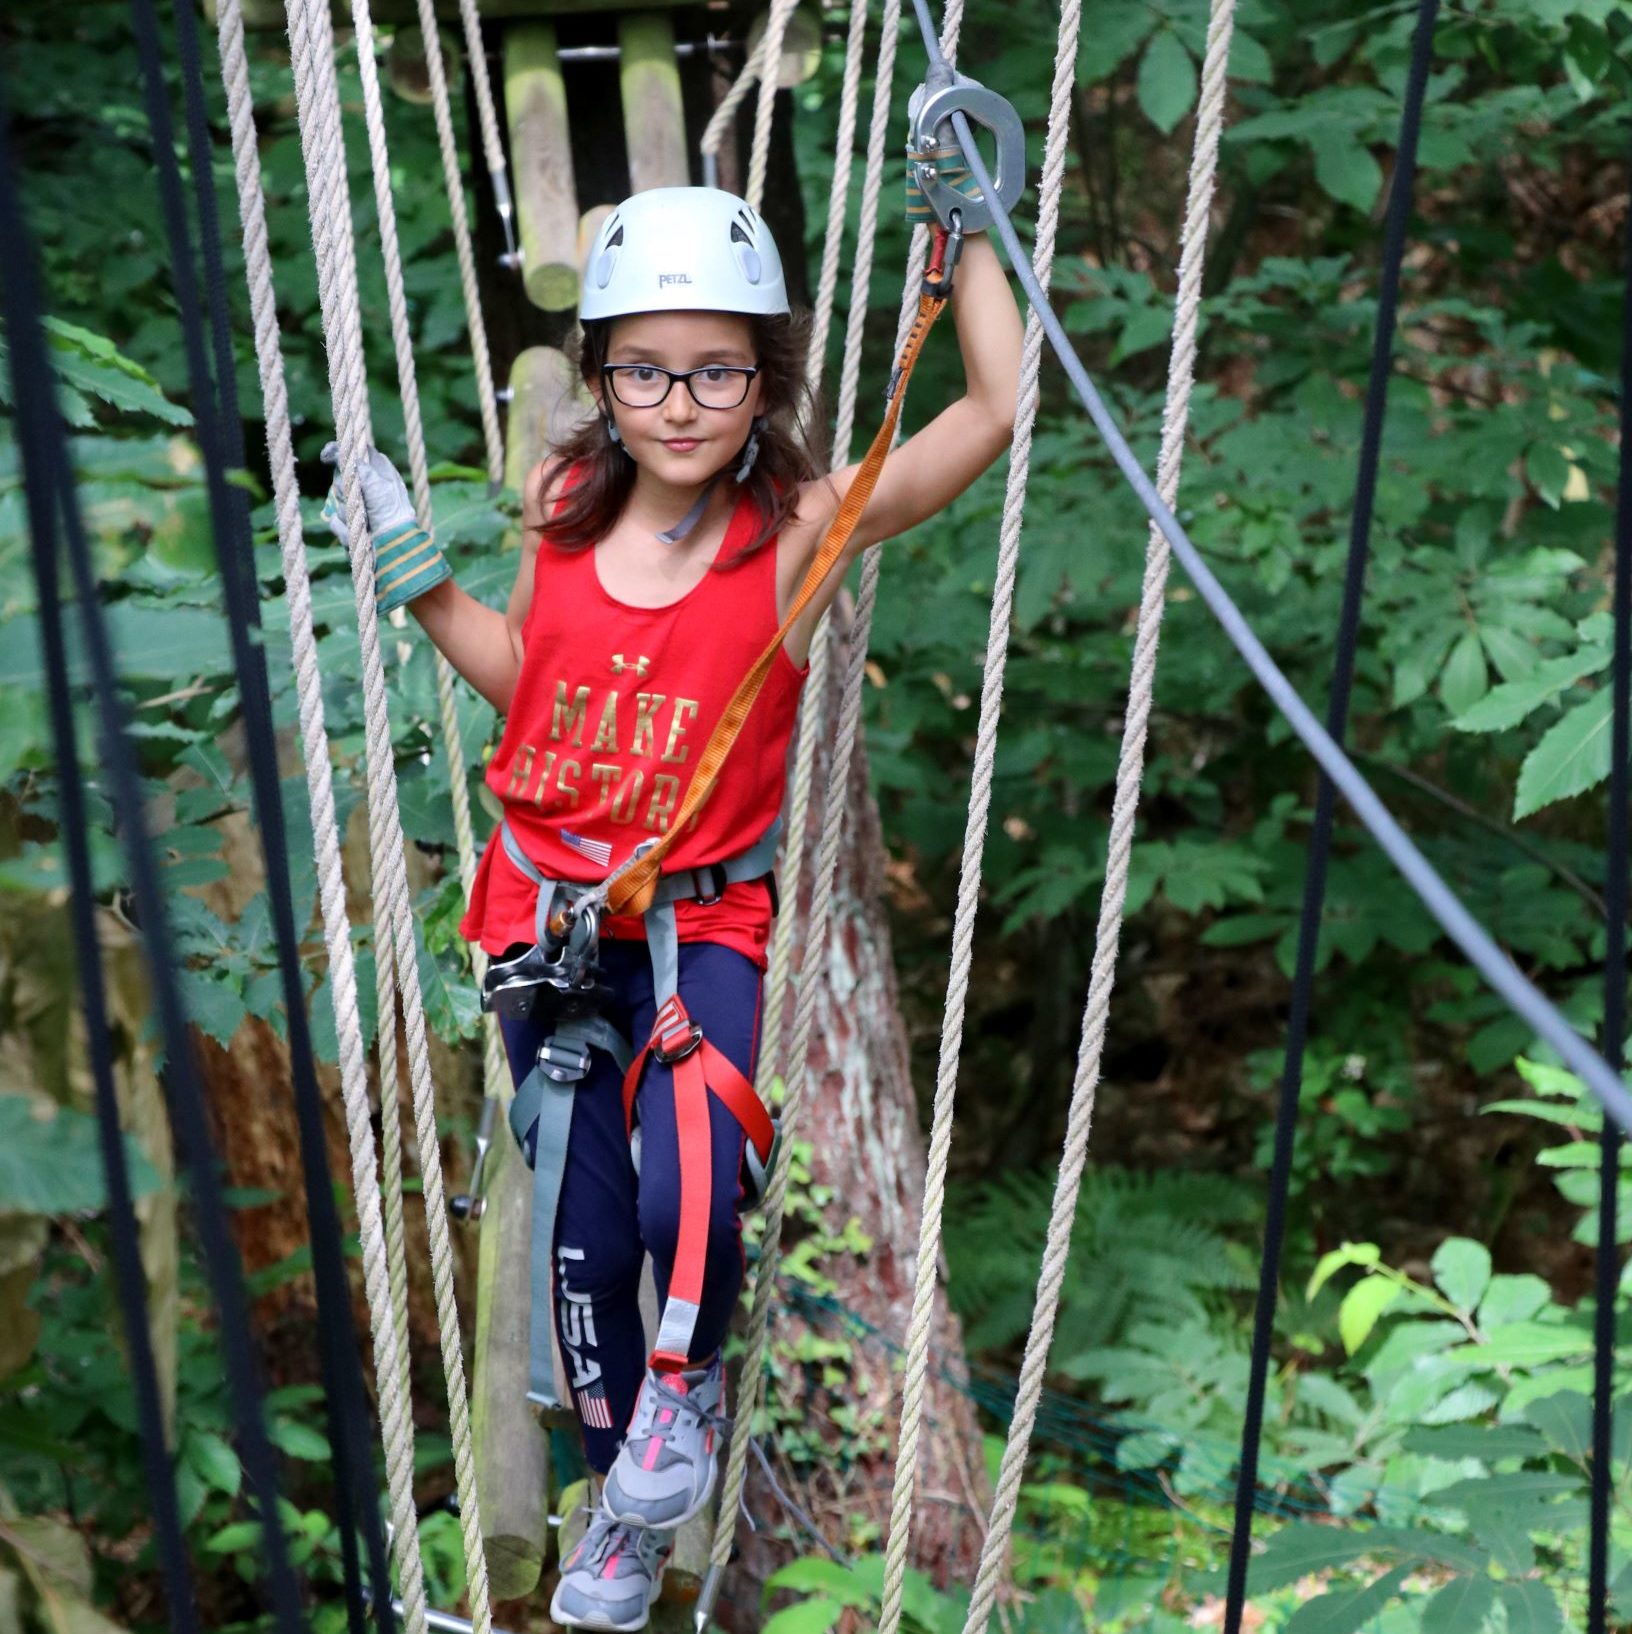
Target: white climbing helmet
(683, 249)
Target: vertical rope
(720, 121)
(1608, 1264)
(753, 1367)
(486, 397)
(1130, 771)
(311, 44)
(396, 1420)
(821, 648)
(1337, 715)
(770, 56)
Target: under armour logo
(640, 666)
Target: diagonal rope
(486, 397)
(821, 647)
(753, 1367)
(312, 58)
(770, 57)
(1124, 808)
(397, 1432)
(487, 118)
(720, 121)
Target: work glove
(407, 561)
(947, 158)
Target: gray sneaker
(665, 1469)
(611, 1579)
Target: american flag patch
(598, 851)
(594, 1410)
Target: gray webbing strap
(554, 1082)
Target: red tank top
(610, 715)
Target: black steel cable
(1617, 860)
(45, 454)
(1401, 198)
(1520, 994)
(221, 438)
(33, 393)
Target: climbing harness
(558, 981)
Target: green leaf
(808, 1617)
(1465, 679)
(1573, 756)
(1566, 1420)
(1531, 1608)
(1167, 81)
(1548, 471)
(213, 1003)
(1511, 702)
(1346, 1611)
(828, 1576)
(1462, 1270)
(301, 1441)
(1362, 1305)
(51, 1159)
(1345, 168)
(1461, 1607)
(1349, 1254)
(214, 1460)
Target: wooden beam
(512, 1450)
(654, 118)
(547, 399)
(535, 102)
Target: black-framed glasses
(645, 385)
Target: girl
(661, 546)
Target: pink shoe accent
(611, 1565)
(649, 1459)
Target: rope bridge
(377, 1168)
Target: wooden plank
(541, 166)
(512, 1451)
(654, 119)
(589, 224)
(547, 400)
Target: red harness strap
(677, 1041)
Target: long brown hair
(588, 511)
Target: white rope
(770, 56)
(486, 398)
(311, 50)
(720, 121)
(397, 1430)
(815, 941)
(821, 647)
(486, 117)
(1124, 808)
(1050, 184)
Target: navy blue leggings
(610, 1217)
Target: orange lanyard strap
(631, 890)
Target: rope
(815, 941)
(1130, 771)
(486, 397)
(495, 1074)
(770, 57)
(389, 1334)
(719, 124)
(821, 647)
(1608, 1267)
(51, 499)
(974, 846)
(37, 426)
(344, 1399)
(486, 118)
(1314, 886)
(311, 46)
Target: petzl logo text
(664, 279)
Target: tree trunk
(868, 1153)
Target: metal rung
(444, 1622)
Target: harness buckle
(675, 1045)
(564, 1060)
(717, 883)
